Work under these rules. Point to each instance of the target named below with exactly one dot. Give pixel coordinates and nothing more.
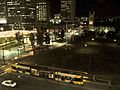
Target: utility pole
(66, 32)
(66, 22)
(3, 55)
(18, 52)
(89, 63)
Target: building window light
(18, 11)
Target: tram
(50, 73)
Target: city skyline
(59, 45)
(101, 7)
(26, 14)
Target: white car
(9, 83)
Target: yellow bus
(69, 78)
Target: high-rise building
(42, 10)
(68, 10)
(23, 14)
(3, 16)
(91, 19)
(20, 14)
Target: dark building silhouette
(68, 10)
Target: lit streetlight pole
(1, 28)
(73, 36)
(66, 32)
(18, 52)
(66, 22)
(3, 55)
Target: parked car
(9, 83)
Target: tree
(32, 38)
(40, 36)
(62, 34)
(19, 37)
(47, 38)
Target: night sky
(101, 7)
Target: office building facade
(20, 14)
(24, 14)
(68, 10)
(42, 10)
(3, 16)
(91, 20)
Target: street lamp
(66, 21)
(86, 45)
(114, 40)
(1, 28)
(92, 39)
(66, 31)
(18, 52)
(3, 55)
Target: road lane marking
(3, 74)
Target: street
(36, 83)
(96, 58)
(89, 58)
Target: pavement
(53, 46)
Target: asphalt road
(35, 83)
(99, 58)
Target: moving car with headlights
(9, 83)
